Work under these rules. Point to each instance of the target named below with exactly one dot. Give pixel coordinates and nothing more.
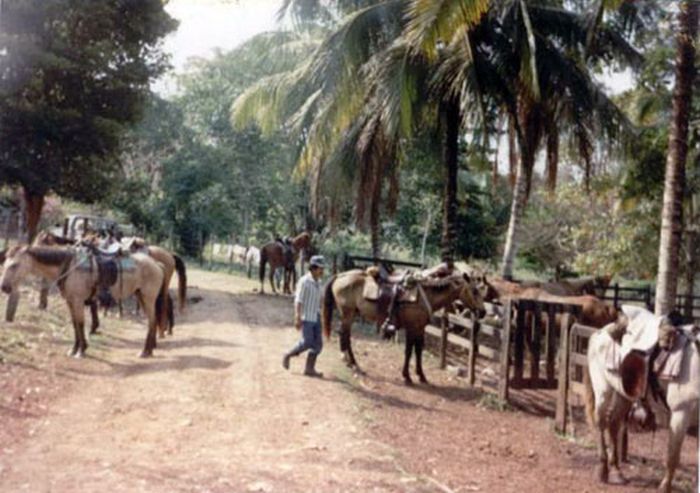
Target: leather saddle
(388, 289)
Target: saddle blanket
(667, 365)
(371, 292)
(128, 264)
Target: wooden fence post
(473, 351)
(519, 342)
(11, 308)
(616, 298)
(536, 345)
(505, 346)
(551, 344)
(563, 387)
(648, 298)
(445, 325)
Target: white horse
(252, 259)
(611, 388)
(238, 254)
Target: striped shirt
(309, 297)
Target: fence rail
(352, 261)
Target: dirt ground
(214, 411)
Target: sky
(207, 25)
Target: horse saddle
(379, 287)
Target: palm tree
(674, 183)
(530, 59)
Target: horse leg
(346, 342)
(95, 316)
(272, 279)
(678, 427)
(616, 428)
(601, 425)
(410, 342)
(78, 315)
(149, 307)
(420, 344)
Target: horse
(77, 274)
(278, 256)
(171, 263)
(346, 292)
(252, 258)
(609, 394)
(238, 253)
(47, 238)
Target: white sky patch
(208, 25)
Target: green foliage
(73, 76)
(596, 233)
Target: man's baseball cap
(317, 261)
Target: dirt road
(214, 411)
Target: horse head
(471, 295)
(15, 268)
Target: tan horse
(76, 274)
(346, 291)
(171, 263)
(274, 254)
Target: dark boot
(289, 356)
(310, 370)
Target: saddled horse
(346, 291)
(171, 263)
(78, 276)
(613, 383)
(278, 256)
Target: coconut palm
(674, 183)
(531, 59)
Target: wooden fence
(689, 306)
(359, 261)
(540, 328)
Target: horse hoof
(79, 354)
(71, 352)
(424, 381)
(602, 473)
(616, 477)
(146, 354)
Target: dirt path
(214, 411)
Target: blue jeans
(311, 338)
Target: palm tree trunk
(690, 268)
(451, 121)
(374, 210)
(552, 160)
(512, 154)
(527, 160)
(674, 183)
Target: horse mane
(50, 255)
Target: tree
(73, 75)
(674, 182)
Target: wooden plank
(451, 338)
(518, 341)
(536, 344)
(551, 344)
(577, 388)
(560, 416)
(578, 359)
(490, 330)
(471, 365)
(460, 321)
(505, 343)
(443, 342)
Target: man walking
(307, 317)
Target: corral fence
(349, 262)
(688, 305)
(518, 339)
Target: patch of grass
(493, 403)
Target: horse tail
(171, 314)
(589, 398)
(327, 307)
(162, 310)
(182, 281)
(263, 263)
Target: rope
(65, 274)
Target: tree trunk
(512, 154)
(374, 208)
(527, 159)
(552, 160)
(34, 204)
(690, 268)
(451, 121)
(674, 182)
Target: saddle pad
(371, 292)
(128, 264)
(613, 357)
(668, 365)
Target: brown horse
(274, 253)
(346, 291)
(171, 263)
(77, 275)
